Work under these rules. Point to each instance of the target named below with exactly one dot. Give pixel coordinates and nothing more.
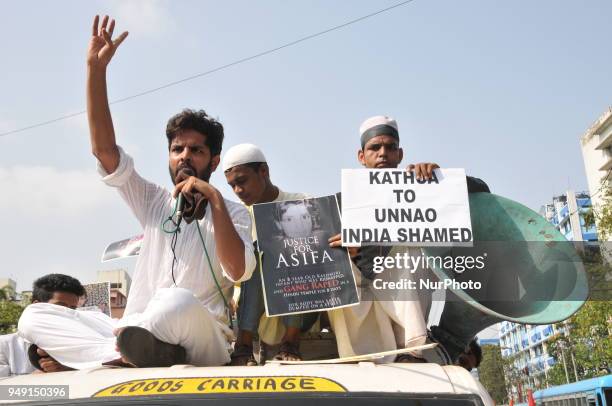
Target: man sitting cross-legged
(177, 309)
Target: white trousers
(85, 339)
(393, 320)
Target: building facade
(118, 278)
(527, 346)
(596, 144)
(566, 213)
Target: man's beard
(184, 171)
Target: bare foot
(289, 352)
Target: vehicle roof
(581, 386)
(361, 377)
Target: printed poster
(300, 272)
(97, 297)
(129, 247)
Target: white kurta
(152, 204)
(396, 320)
(191, 313)
(14, 356)
(85, 339)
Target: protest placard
(129, 247)
(97, 297)
(393, 207)
(300, 271)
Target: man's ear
(214, 162)
(401, 155)
(361, 157)
(264, 170)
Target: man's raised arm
(102, 134)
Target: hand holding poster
(300, 271)
(392, 207)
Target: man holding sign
(247, 173)
(400, 319)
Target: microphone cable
(175, 231)
(177, 213)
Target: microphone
(180, 206)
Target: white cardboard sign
(392, 207)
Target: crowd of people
(178, 307)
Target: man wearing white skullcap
(402, 321)
(242, 154)
(247, 172)
(376, 126)
(382, 319)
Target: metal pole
(564, 364)
(574, 364)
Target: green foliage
(589, 342)
(599, 273)
(602, 216)
(590, 329)
(9, 311)
(9, 316)
(491, 373)
(556, 374)
(6, 293)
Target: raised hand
(101, 46)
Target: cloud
(143, 17)
(58, 220)
(41, 191)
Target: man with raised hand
(177, 309)
(248, 174)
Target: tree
(559, 348)
(9, 316)
(587, 346)
(9, 311)
(583, 349)
(491, 373)
(601, 215)
(6, 293)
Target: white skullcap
(242, 154)
(378, 125)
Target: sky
(502, 89)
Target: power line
(217, 69)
